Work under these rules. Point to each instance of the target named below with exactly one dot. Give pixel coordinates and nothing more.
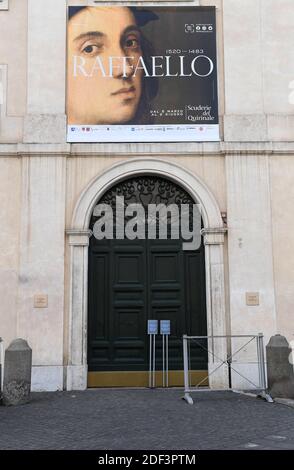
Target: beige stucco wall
(258, 51)
(10, 210)
(250, 244)
(282, 196)
(13, 56)
(41, 267)
(13, 52)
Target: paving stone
(111, 419)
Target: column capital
(214, 236)
(78, 237)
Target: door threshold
(140, 379)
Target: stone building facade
(48, 187)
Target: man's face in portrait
(99, 93)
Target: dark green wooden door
(131, 281)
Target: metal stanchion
(152, 332)
(150, 359)
(163, 362)
(166, 360)
(153, 370)
(165, 331)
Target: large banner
(142, 74)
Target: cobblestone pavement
(110, 419)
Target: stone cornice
(143, 149)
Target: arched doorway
(132, 281)
(78, 242)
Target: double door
(131, 281)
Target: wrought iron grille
(146, 190)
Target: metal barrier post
(187, 395)
(261, 367)
(1, 364)
(260, 362)
(165, 332)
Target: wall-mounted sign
(152, 327)
(142, 74)
(41, 301)
(252, 298)
(165, 327)
(4, 4)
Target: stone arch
(78, 236)
(189, 181)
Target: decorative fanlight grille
(145, 190)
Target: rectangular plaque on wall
(252, 298)
(41, 301)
